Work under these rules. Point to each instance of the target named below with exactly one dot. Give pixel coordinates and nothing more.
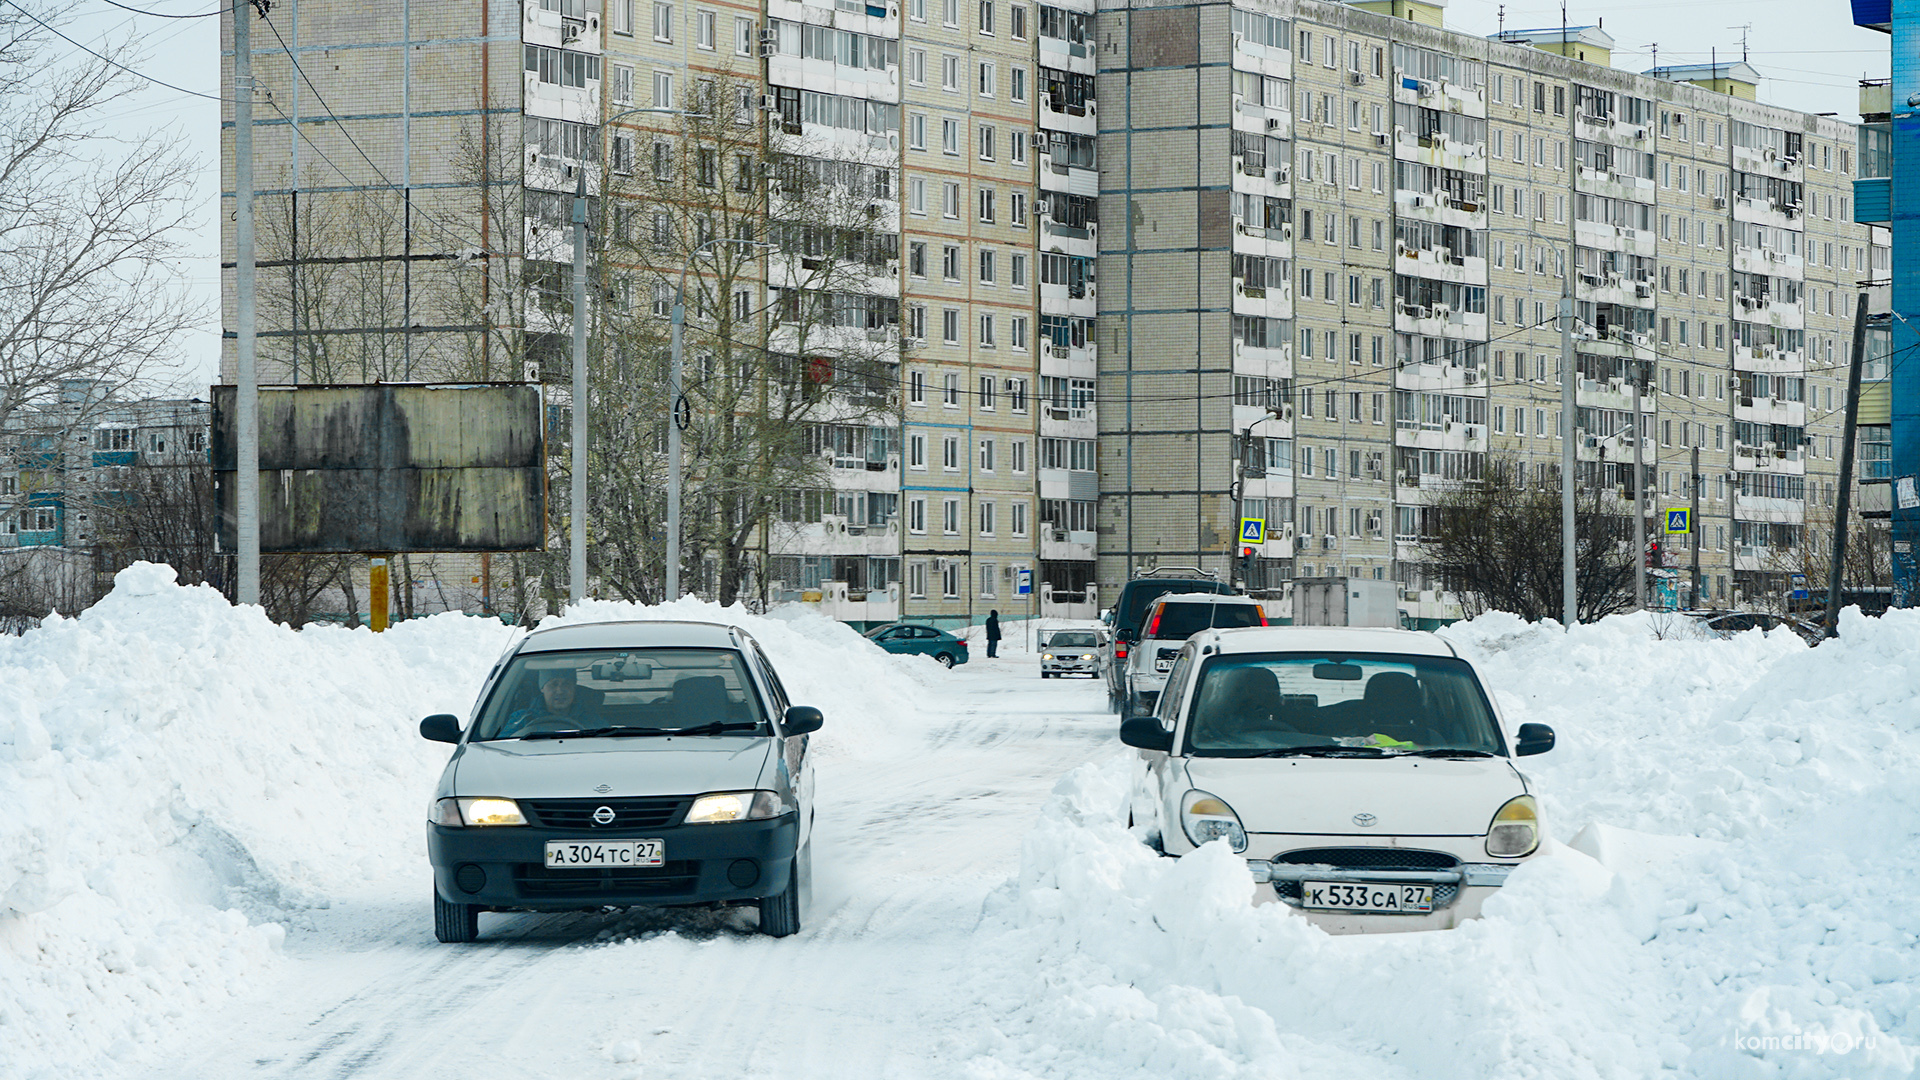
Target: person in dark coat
(993, 634)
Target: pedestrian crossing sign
(1679, 521)
(1253, 530)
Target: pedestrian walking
(993, 634)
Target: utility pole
(577, 553)
(673, 435)
(1693, 523)
(1569, 597)
(1844, 505)
(246, 420)
(1639, 506)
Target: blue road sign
(1253, 530)
(1679, 521)
(1023, 585)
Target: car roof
(1336, 639)
(1205, 598)
(635, 634)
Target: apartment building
(1686, 226)
(1141, 270)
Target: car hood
(577, 768)
(1321, 796)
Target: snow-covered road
(909, 843)
(212, 865)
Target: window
(986, 336)
(950, 524)
(662, 160)
(1017, 83)
(917, 66)
(986, 17)
(917, 395)
(987, 79)
(620, 16)
(984, 142)
(1017, 338)
(1017, 270)
(703, 30)
(662, 22)
(950, 200)
(622, 84)
(917, 196)
(950, 72)
(742, 36)
(986, 455)
(950, 333)
(986, 569)
(987, 267)
(1017, 209)
(950, 453)
(986, 206)
(1020, 454)
(917, 523)
(917, 131)
(950, 137)
(1018, 520)
(662, 90)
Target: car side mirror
(441, 727)
(1145, 733)
(803, 719)
(1126, 637)
(1534, 739)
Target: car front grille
(534, 879)
(1370, 858)
(650, 813)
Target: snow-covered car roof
(633, 634)
(1337, 639)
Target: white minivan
(1365, 774)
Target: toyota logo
(1365, 821)
(603, 789)
(604, 816)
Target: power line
(109, 60)
(165, 15)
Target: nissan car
(623, 764)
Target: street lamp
(681, 411)
(577, 554)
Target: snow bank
(183, 779)
(1729, 896)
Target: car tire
(455, 924)
(780, 913)
(946, 659)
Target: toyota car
(1364, 774)
(624, 764)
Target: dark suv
(1126, 615)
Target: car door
(1151, 775)
(793, 748)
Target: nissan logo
(1365, 821)
(604, 816)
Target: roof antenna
(1743, 39)
(1503, 20)
(1656, 55)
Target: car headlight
(1515, 830)
(1208, 817)
(1046, 656)
(735, 806)
(1086, 656)
(476, 810)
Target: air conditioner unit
(768, 49)
(1274, 122)
(1425, 88)
(1355, 78)
(1379, 138)
(769, 102)
(1473, 431)
(1719, 203)
(1300, 543)
(1473, 377)
(1326, 543)
(1039, 139)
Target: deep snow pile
(1733, 896)
(182, 777)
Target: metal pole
(1639, 507)
(1693, 525)
(673, 437)
(1569, 597)
(577, 555)
(246, 421)
(1846, 468)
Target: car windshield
(1070, 640)
(1280, 703)
(1180, 620)
(631, 692)
(877, 631)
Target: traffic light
(1653, 554)
(1246, 565)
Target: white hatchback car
(1364, 773)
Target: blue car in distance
(916, 639)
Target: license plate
(1163, 665)
(595, 854)
(1355, 896)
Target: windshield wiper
(1447, 751)
(598, 733)
(714, 728)
(1324, 751)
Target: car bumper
(1070, 667)
(504, 868)
(1459, 893)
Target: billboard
(390, 468)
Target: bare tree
(90, 229)
(778, 390)
(1496, 542)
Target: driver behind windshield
(1267, 704)
(556, 708)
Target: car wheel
(455, 924)
(946, 659)
(780, 913)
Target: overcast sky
(1810, 54)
